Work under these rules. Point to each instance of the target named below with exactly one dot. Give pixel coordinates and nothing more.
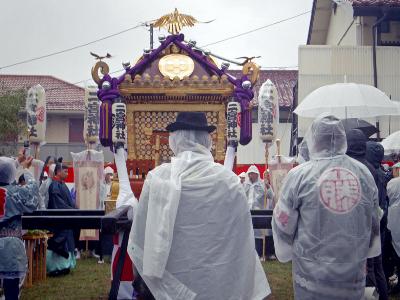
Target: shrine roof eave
(178, 90)
(177, 40)
(140, 79)
(175, 92)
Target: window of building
(76, 130)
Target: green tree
(11, 123)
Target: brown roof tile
(60, 95)
(284, 81)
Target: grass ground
(91, 281)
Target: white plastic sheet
(393, 192)
(326, 220)
(230, 157)
(184, 242)
(125, 194)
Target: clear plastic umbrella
(347, 100)
(391, 144)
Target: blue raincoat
(14, 201)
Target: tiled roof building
(284, 80)
(60, 95)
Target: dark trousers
(259, 246)
(11, 288)
(269, 246)
(390, 259)
(376, 276)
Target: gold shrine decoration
(175, 21)
(252, 70)
(138, 132)
(193, 85)
(176, 65)
(102, 67)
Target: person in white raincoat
(326, 220)
(254, 188)
(242, 177)
(44, 188)
(105, 186)
(393, 192)
(192, 235)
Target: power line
(143, 24)
(257, 29)
(78, 82)
(70, 49)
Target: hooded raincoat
(255, 191)
(326, 220)
(374, 155)
(393, 191)
(192, 236)
(14, 201)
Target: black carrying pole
(117, 278)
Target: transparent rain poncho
(255, 191)
(8, 170)
(14, 201)
(326, 220)
(192, 235)
(304, 154)
(393, 192)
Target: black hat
(191, 121)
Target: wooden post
(157, 151)
(35, 150)
(267, 145)
(278, 149)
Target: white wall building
(340, 44)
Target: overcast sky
(38, 27)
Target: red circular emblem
(340, 190)
(40, 114)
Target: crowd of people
(21, 193)
(192, 237)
